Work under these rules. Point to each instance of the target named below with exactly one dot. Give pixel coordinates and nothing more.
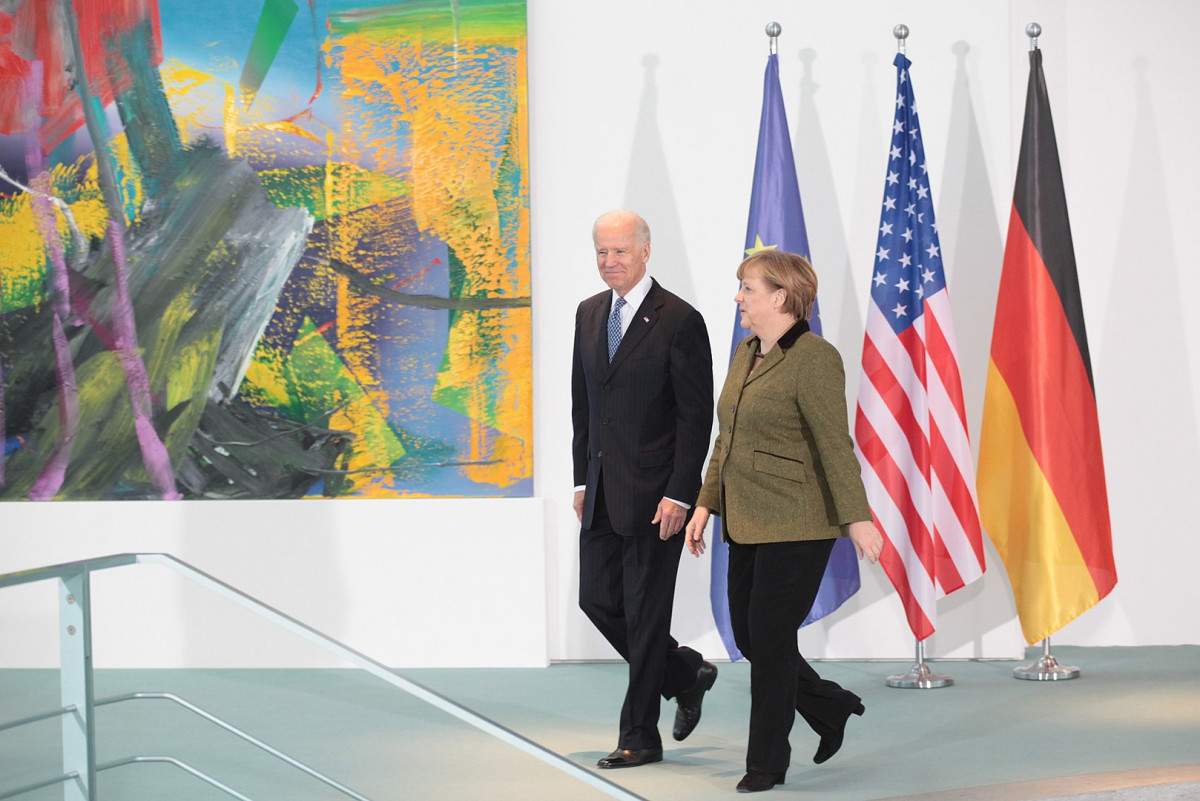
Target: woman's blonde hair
(789, 272)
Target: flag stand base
(1046, 668)
(919, 676)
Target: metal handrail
(57, 713)
(254, 741)
(75, 577)
(179, 763)
(29, 788)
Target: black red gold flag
(1041, 487)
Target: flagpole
(773, 31)
(1046, 668)
(1033, 31)
(919, 676)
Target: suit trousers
(627, 590)
(772, 587)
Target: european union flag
(777, 223)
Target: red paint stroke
(37, 32)
(398, 284)
(312, 10)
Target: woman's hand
(695, 531)
(867, 540)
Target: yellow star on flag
(758, 245)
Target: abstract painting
(264, 249)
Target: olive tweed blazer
(783, 467)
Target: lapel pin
(647, 319)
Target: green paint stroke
(273, 24)
(311, 382)
(433, 19)
(356, 188)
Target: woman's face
(757, 302)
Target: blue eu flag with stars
(776, 222)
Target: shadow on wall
(971, 238)
(1144, 344)
(648, 191)
(841, 321)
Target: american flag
(910, 427)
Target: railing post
(75, 671)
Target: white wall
(654, 105)
(372, 574)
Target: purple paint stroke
(51, 478)
(3, 428)
(154, 452)
(41, 189)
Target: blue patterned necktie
(614, 328)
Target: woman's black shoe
(830, 745)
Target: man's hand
(578, 504)
(670, 517)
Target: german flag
(1042, 496)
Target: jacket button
(600, 455)
(606, 421)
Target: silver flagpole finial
(773, 31)
(901, 33)
(1033, 31)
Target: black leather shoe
(687, 715)
(630, 758)
(830, 744)
(756, 782)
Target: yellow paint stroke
(306, 378)
(23, 272)
(181, 80)
(230, 117)
(450, 155)
(24, 262)
(331, 189)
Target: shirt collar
(635, 296)
(792, 334)
(787, 340)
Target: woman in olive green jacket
(784, 479)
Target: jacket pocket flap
(769, 463)
(656, 458)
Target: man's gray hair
(641, 229)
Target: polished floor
(1128, 728)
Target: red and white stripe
(912, 443)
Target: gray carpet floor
(1128, 728)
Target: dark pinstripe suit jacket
(642, 423)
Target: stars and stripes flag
(776, 221)
(910, 426)
(1042, 491)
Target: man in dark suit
(642, 407)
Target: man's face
(619, 257)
